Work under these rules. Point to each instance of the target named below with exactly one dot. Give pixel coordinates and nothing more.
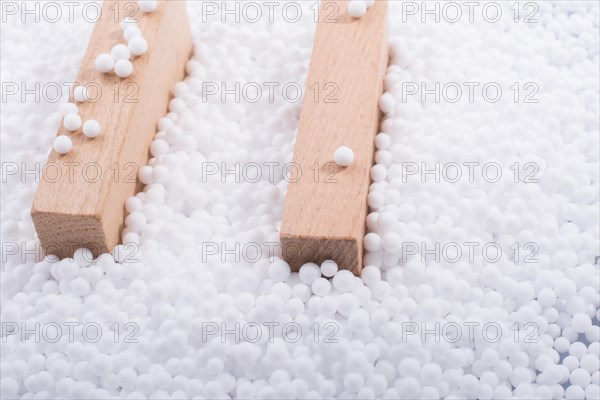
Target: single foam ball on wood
(104, 63)
(343, 281)
(131, 32)
(148, 6)
(137, 45)
(343, 156)
(123, 68)
(91, 128)
(279, 270)
(329, 268)
(72, 122)
(357, 8)
(80, 94)
(120, 52)
(62, 144)
(321, 287)
(309, 273)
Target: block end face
(62, 234)
(300, 249)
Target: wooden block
(324, 215)
(78, 209)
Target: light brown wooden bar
(324, 219)
(78, 209)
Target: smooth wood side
(84, 207)
(324, 215)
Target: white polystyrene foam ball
(279, 270)
(62, 144)
(370, 274)
(343, 156)
(321, 287)
(137, 45)
(387, 103)
(80, 94)
(357, 8)
(120, 52)
(329, 268)
(123, 68)
(104, 63)
(343, 281)
(91, 128)
(72, 122)
(309, 273)
(148, 6)
(131, 32)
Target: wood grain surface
(84, 205)
(326, 206)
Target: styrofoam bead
(72, 122)
(309, 273)
(128, 22)
(120, 52)
(91, 128)
(357, 8)
(370, 275)
(391, 242)
(104, 63)
(343, 156)
(148, 6)
(329, 268)
(581, 322)
(343, 281)
(62, 144)
(321, 287)
(359, 320)
(279, 270)
(123, 68)
(131, 32)
(80, 94)
(387, 103)
(137, 45)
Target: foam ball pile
(177, 312)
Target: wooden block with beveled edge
(82, 208)
(324, 218)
